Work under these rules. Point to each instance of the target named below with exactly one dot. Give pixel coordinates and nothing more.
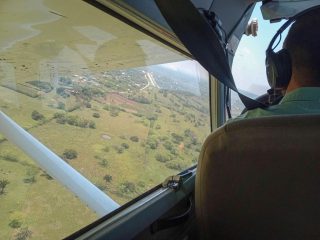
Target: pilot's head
(303, 44)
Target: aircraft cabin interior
(127, 119)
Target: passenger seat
(260, 179)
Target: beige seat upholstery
(260, 179)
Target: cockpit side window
(122, 109)
(248, 66)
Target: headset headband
(288, 23)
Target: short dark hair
(303, 43)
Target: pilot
(302, 89)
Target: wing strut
(97, 200)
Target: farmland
(121, 139)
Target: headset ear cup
(284, 67)
(279, 68)
(271, 69)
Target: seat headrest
(260, 179)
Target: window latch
(176, 181)
(173, 182)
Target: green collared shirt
(304, 100)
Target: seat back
(260, 179)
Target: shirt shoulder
(301, 101)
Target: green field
(107, 149)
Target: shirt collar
(302, 94)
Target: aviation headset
(279, 64)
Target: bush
(104, 162)
(65, 81)
(176, 138)
(140, 99)
(88, 105)
(161, 158)
(10, 158)
(35, 115)
(59, 115)
(120, 150)
(96, 115)
(127, 187)
(195, 160)
(61, 120)
(61, 105)
(114, 113)
(141, 184)
(31, 175)
(168, 145)
(152, 143)
(72, 120)
(46, 175)
(92, 124)
(70, 154)
(174, 152)
(152, 118)
(15, 223)
(3, 184)
(23, 234)
(61, 91)
(134, 139)
(174, 166)
(107, 178)
(83, 123)
(125, 145)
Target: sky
(249, 63)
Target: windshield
(248, 66)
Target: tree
(152, 143)
(134, 139)
(125, 145)
(127, 187)
(168, 145)
(176, 138)
(92, 124)
(35, 115)
(70, 154)
(96, 115)
(3, 184)
(161, 158)
(23, 234)
(120, 150)
(31, 175)
(83, 123)
(104, 163)
(15, 223)
(61, 105)
(107, 178)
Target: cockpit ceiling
(285, 8)
(230, 12)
